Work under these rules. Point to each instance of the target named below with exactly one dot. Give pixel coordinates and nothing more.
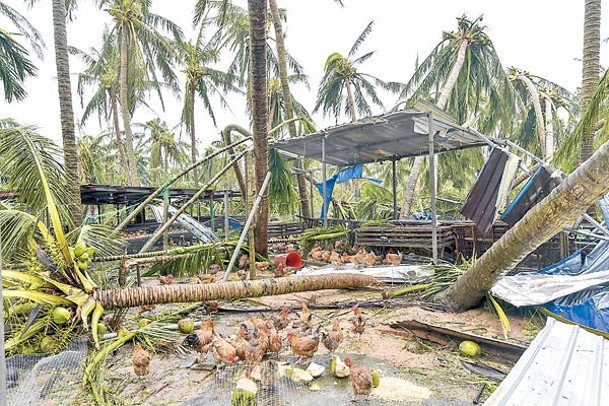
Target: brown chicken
(359, 257)
(244, 261)
(316, 253)
(275, 342)
(201, 339)
(358, 321)
(346, 258)
(141, 361)
(224, 352)
(338, 244)
(214, 269)
(325, 256)
(303, 345)
(262, 266)
(239, 342)
(259, 323)
(253, 351)
(211, 306)
(144, 309)
(166, 280)
(333, 339)
(242, 274)
(393, 259)
(361, 380)
(306, 317)
(208, 278)
(281, 320)
(335, 258)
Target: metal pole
(246, 227)
(324, 185)
(432, 184)
(212, 212)
(2, 360)
(394, 187)
(226, 223)
(311, 192)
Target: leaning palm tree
(344, 89)
(473, 83)
(203, 80)
(15, 65)
(143, 48)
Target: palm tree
(591, 69)
(141, 48)
(196, 59)
(15, 65)
(467, 68)
(164, 149)
(343, 88)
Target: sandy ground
(175, 381)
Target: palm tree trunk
(193, 138)
(70, 152)
(546, 219)
(231, 151)
(133, 297)
(413, 177)
(117, 133)
(417, 165)
(541, 128)
(591, 69)
(549, 130)
(305, 209)
(351, 100)
(257, 28)
(132, 177)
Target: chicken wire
(36, 379)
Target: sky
(543, 37)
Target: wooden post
(432, 183)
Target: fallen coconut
(315, 369)
(61, 315)
(186, 325)
(469, 348)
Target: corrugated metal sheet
(382, 138)
(564, 365)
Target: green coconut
(469, 348)
(80, 248)
(244, 393)
(376, 378)
(46, 344)
(61, 315)
(84, 257)
(186, 325)
(90, 251)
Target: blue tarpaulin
(354, 172)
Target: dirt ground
(177, 380)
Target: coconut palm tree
(344, 89)
(202, 80)
(590, 71)
(164, 148)
(473, 83)
(143, 48)
(15, 65)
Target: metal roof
(388, 137)
(109, 194)
(564, 365)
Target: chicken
(166, 280)
(338, 244)
(144, 309)
(316, 253)
(369, 259)
(224, 352)
(333, 339)
(208, 278)
(303, 345)
(335, 258)
(361, 380)
(259, 323)
(244, 261)
(278, 271)
(239, 342)
(253, 351)
(214, 269)
(262, 266)
(201, 339)
(359, 257)
(242, 274)
(306, 317)
(393, 259)
(211, 306)
(275, 342)
(281, 320)
(358, 321)
(141, 361)
(346, 258)
(325, 256)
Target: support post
(432, 183)
(394, 188)
(212, 212)
(311, 192)
(246, 227)
(325, 179)
(2, 359)
(226, 223)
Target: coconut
(376, 378)
(315, 369)
(80, 248)
(469, 348)
(61, 315)
(84, 257)
(339, 368)
(300, 375)
(186, 325)
(90, 251)
(46, 344)
(244, 393)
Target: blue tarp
(354, 172)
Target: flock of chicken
(252, 343)
(336, 257)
